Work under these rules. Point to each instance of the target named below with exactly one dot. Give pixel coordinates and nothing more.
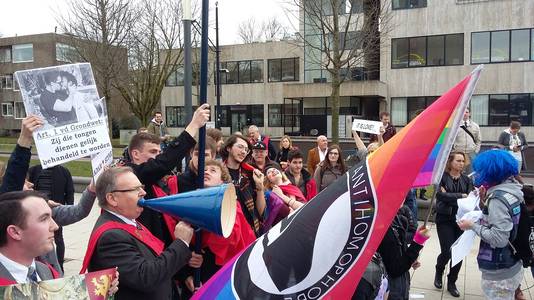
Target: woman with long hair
(330, 169)
(281, 195)
(286, 145)
(454, 185)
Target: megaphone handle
(198, 250)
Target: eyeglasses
(137, 189)
(242, 148)
(333, 153)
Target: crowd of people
(153, 252)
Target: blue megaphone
(213, 209)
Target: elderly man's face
(123, 199)
(253, 133)
(322, 142)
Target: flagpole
(202, 131)
(432, 200)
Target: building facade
(428, 47)
(433, 44)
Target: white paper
(465, 205)
(66, 98)
(463, 245)
(461, 248)
(100, 160)
(367, 126)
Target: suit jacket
(42, 270)
(143, 274)
(313, 159)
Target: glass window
(398, 111)
(20, 113)
(22, 53)
(479, 109)
(417, 52)
(256, 114)
(275, 115)
(232, 76)
(436, 50)
(171, 80)
(244, 72)
(288, 69)
(356, 7)
(275, 70)
(6, 81)
(499, 110)
(5, 54)
(399, 53)
(520, 45)
(256, 71)
(7, 109)
(454, 49)
(66, 53)
(175, 116)
(521, 108)
(415, 105)
(480, 47)
(403, 4)
(500, 46)
(532, 44)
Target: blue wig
(494, 166)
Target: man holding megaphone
(152, 166)
(145, 265)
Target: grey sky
(23, 17)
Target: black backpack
(522, 242)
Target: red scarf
(143, 235)
(291, 190)
(172, 185)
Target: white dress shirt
(18, 271)
(322, 155)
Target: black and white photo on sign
(61, 95)
(66, 98)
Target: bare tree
(273, 30)
(151, 56)
(98, 31)
(340, 36)
(248, 31)
(128, 45)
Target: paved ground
(76, 237)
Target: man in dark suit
(317, 154)
(27, 231)
(145, 266)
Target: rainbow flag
(321, 250)
(435, 165)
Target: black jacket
(446, 205)
(62, 189)
(150, 172)
(143, 274)
(16, 170)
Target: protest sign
(367, 126)
(66, 98)
(90, 286)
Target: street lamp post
(188, 70)
(217, 69)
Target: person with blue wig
(501, 195)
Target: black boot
(438, 280)
(451, 287)
(422, 193)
